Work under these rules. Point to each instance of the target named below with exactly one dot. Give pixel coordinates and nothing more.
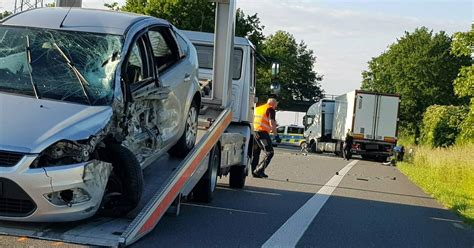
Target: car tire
(204, 189)
(304, 146)
(237, 176)
(125, 185)
(187, 141)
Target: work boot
(259, 174)
(256, 174)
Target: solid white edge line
(289, 234)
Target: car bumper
(86, 180)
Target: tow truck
(224, 140)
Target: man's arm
(273, 125)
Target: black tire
(204, 189)
(313, 147)
(382, 159)
(237, 176)
(125, 185)
(182, 148)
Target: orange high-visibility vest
(261, 121)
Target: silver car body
(29, 125)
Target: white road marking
(227, 209)
(291, 232)
(250, 191)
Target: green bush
(466, 135)
(442, 124)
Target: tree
(462, 46)
(195, 15)
(299, 81)
(5, 14)
(112, 6)
(250, 27)
(419, 67)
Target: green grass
(447, 174)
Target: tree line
(434, 75)
(4, 14)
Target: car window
(295, 130)
(135, 70)
(183, 45)
(281, 130)
(206, 59)
(300, 130)
(164, 48)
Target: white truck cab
(243, 73)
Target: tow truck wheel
(125, 185)
(187, 141)
(204, 189)
(237, 176)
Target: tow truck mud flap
(113, 232)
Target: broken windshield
(31, 55)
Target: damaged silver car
(89, 98)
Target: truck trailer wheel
(187, 141)
(204, 189)
(125, 185)
(312, 147)
(237, 176)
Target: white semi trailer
(372, 119)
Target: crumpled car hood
(29, 125)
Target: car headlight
(62, 153)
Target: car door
(140, 79)
(174, 75)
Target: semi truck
(371, 119)
(223, 139)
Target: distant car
(87, 100)
(290, 135)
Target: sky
(345, 35)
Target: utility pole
(23, 5)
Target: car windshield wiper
(28, 59)
(74, 69)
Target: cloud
(343, 40)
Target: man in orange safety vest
(264, 123)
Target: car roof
(209, 38)
(78, 19)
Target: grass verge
(447, 174)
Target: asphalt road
(373, 206)
(305, 204)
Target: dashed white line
(293, 229)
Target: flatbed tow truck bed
(164, 180)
